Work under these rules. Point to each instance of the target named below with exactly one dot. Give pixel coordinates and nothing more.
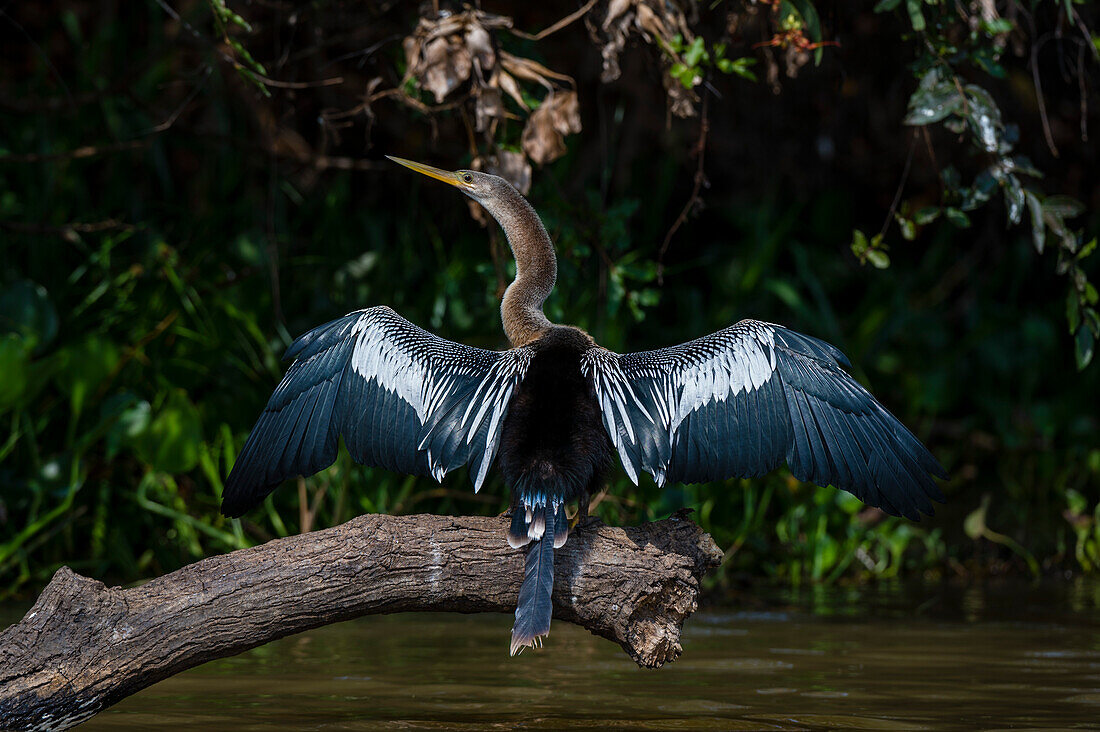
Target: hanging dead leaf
(508, 83)
(544, 136)
(489, 106)
(446, 66)
(525, 68)
(511, 166)
(480, 46)
(681, 100)
(441, 52)
(650, 23)
(615, 9)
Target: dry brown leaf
(445, 65)
(566, 112)
(512, 167)
(508, 83)
(681, 100)
(480, 46)
(614, 9)
(544, 136)
(525, 68)
(649, 23)
(489, 106)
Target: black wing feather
(398, 395)
(738, 402)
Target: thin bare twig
(66, 230)
(901, 186)
(1039, 93)
(88, 151)
(91, 151)
(334, 81)
(237, 64)
(700, 179)
(1082, 92)
(567, 20)
(931, 152)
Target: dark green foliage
(168, 228)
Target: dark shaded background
(167, 230)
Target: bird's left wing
(739, 402)
(401, 397)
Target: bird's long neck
(536, 268)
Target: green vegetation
(184, 187)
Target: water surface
(1007, 656)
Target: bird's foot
(583, 522)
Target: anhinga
(556, 406)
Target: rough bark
(84, 646)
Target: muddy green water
(1003, 656)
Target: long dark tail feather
(535, 607)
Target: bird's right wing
(401, 398)
(738, 402)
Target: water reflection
(889, 657)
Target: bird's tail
(543, 528)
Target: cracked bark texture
(85, 646)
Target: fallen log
(85, 646)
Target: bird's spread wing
(401, 398)
(738, 402)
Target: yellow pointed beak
(443, 175)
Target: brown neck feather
(536, 267)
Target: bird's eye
(467, 178)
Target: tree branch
(85, 646)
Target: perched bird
(556, 407)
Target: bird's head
(482, 187)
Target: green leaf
(927, 215)
(1038, 228)
(984, 116)
(908, 228)
(15, 364)
(741, 68)
(859, 243)
(1076, 502)
(982, 190)
(974, 524)
(878, 258)
(695, 53)
(1014, 199)
(83, 367)
(933, 100)
(1065, 207)
(997, 26)
(1084, 344)
(916, 17)
(1073, 311)
(25, 309)
(811, 25)
(132, 422)
(958, 218)
(1023, 165)
(885, 6)
(1087, 249)
(988, 60)
(172, 441)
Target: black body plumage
(556, 407)
(553, 450)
